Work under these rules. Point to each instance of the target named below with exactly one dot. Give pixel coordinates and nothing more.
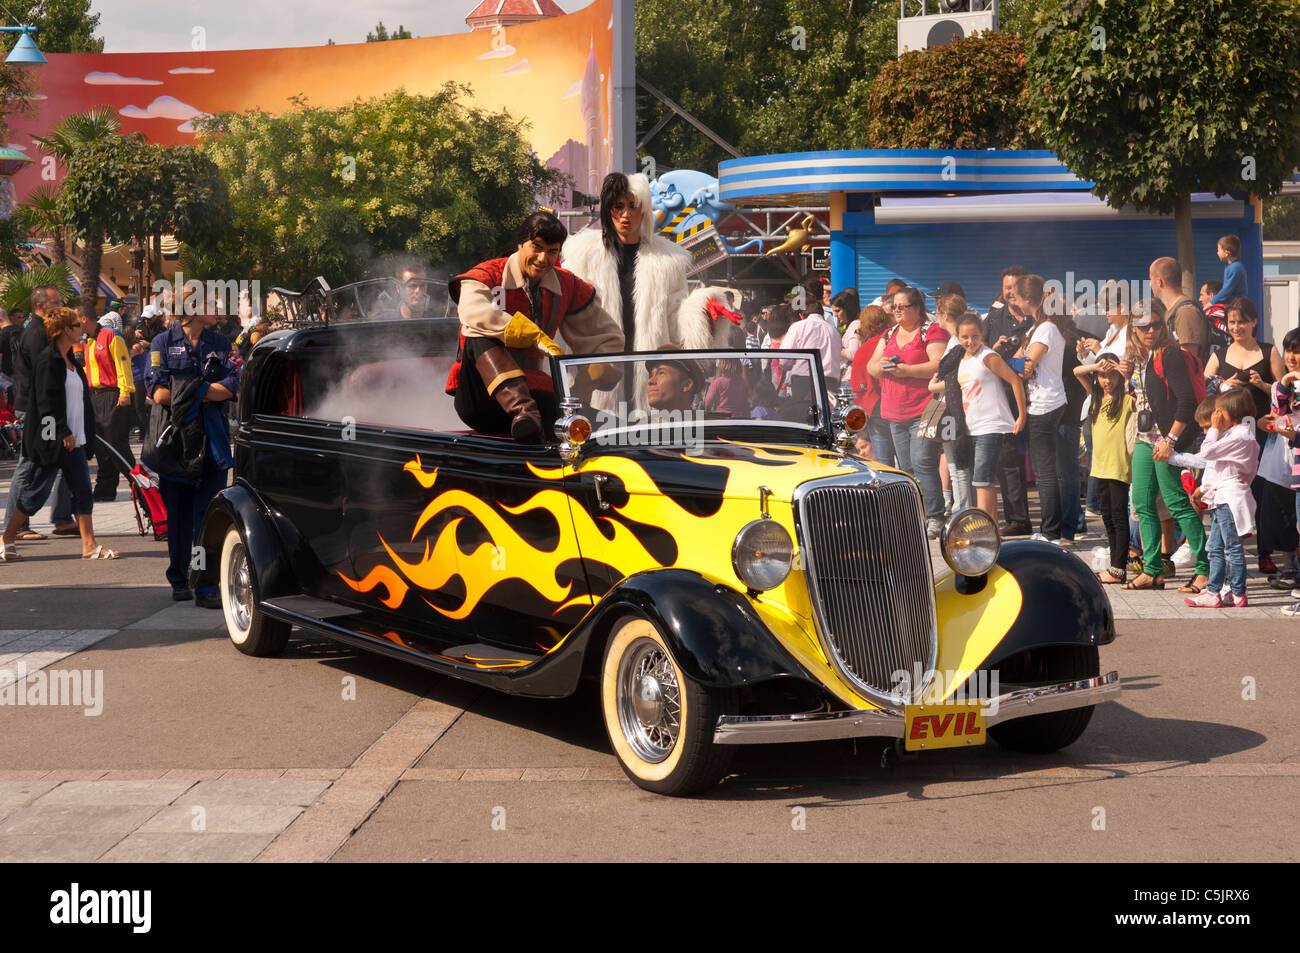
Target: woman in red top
(904, 361)
(873, 322)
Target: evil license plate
(947, 725)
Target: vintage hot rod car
(724, 579)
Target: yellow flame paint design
(703, 542)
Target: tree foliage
(968, 95)
(319, 191)
(380, 33)
(18, 285)
(765, 75)
(1177, 98)
(63, 26)
(776, 75)
(1154, 101)
(1282, 219)
(72, 135)
(131, 188)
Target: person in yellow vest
(108, 369)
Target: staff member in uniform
(108, 368)
(188, 350)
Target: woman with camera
(1246, 362)
(1166, 403)
(904, 361)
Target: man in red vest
(108, 369)
(511, 310)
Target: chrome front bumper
(889, 722)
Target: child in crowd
(1231, 455)
(1282, 421)
(764, 399)
(1114, 431)
(979, 377)
(1214, 314)
(1234, 272)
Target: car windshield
(688, 392)
(376, 299)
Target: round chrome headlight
(970, 542)
(762, 554)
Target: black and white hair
(615, 186)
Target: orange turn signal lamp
(855, 419)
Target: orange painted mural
(556, 73)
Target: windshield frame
(779, 430)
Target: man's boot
(504, 382)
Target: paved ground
(180, 748)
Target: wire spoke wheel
(660, 722)
(649, 701)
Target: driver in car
(511, 310)
(673, 384)
(411, 277)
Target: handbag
(931, 425)
(171, 451)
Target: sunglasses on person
(1153, 326)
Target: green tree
(19, 283)
(63, 26)
(318, 191)
(968, 95)
(71, 136)
(381, 34)
(42, 217)
(1154, 101)
(774, 75)
(1282, 219)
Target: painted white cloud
(190, 70)
(574, 90)
(495, 53)
(165, 107)
(97, 78)
(523, 66)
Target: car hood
(700, 478)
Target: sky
(151, 26)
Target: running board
(508, 670)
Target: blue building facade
(928, 216)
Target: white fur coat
(666, 315)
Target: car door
(520, 565)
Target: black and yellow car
(726, 578)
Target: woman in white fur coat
(630, 264)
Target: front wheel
(660, 722)
(249, 628)
(1041, 734)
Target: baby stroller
(150, 513)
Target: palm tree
(18, 285)
(70, 135)
(42, 216)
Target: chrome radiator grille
(868, 565)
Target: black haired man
(510, 311)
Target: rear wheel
(249, 628)
(1040, 734)
(660, 722)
